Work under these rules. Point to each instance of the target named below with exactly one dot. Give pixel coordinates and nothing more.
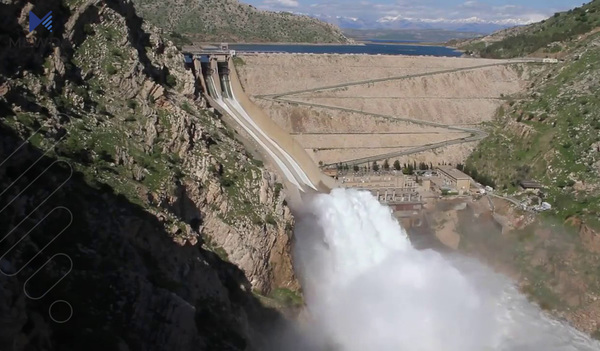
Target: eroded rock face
(174, 229)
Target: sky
(519, 11)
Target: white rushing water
(367, 288)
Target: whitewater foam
(367, 288)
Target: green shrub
(270, 220)
(278, 188)
(226, 182)
(222, 253)
(116, 52)
(88, 29)
(111, 70)
(287, 297)
(238, 61)
(171, 80)
(187, 108)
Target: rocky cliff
(112, 168)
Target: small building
(550, 60)
(530, 184)
(454, 179)
(544, 206)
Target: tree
(386, 165)
(375, 166)
(356, 168)
(397, 165)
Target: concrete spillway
(226, 94)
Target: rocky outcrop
(175, 227)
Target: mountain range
(472, 24)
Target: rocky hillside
(168, 234)
(548, 38)
(551, 135)
(232, 21)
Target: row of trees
(406, 168)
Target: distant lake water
(370, 49)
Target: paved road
(476, 134)
(378, 80)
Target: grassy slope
(551, 36)
(552, 135)
(229, 20)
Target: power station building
(453, 179)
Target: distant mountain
(415, 35)
(472, 24)
(551, 37)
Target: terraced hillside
(230, 20)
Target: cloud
(282, 3)
(506, 12)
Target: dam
(355, 259)
(223, 91)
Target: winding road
(475, 134)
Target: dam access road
(359, 109)
(436, 106)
